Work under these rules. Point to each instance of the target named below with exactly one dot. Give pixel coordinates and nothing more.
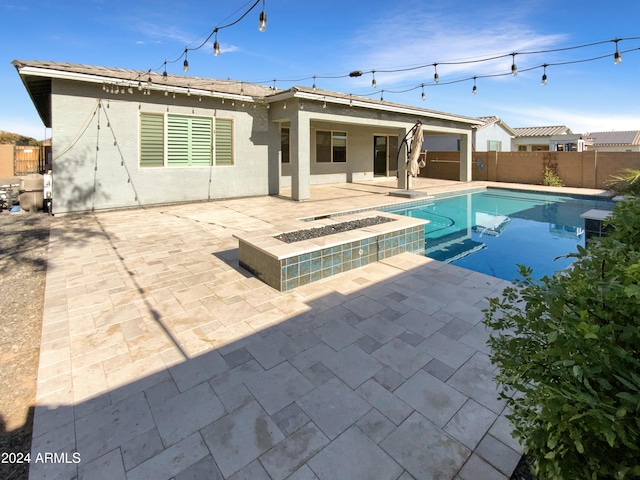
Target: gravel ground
(306, 234)
(23, 261)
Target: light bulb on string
(544, 75)
(436, 77)
(423, 96)
(164, 73)
(216, 45)
(474, 90)
(514, 68)
(374, 84)
(314, 84)
(617, 58)
(262, 21)
(185, 65)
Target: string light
(216, 46)
(474, 90)
(164, 73)
(185, 65)
(357, 73)
(617, 58)
(262, 20)
(374, 84)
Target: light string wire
(358, 73)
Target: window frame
(148, 141)
(332, 147)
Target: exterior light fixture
(374, 84)
(474, 90)
(262, 21)
(544, 75)
(314, 84)
(514, 68)
(216, 45)
(617, 58)
(436, 77)
(423, 96)
(185, 65)
(164, 73)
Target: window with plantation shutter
(189, 141)
(224, 141)
(151, 140)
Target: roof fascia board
(83, 77)
(355, 102)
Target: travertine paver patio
(161, 358)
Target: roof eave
(374, 105)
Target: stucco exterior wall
(492, 132)
(6, 161)
(91, 172)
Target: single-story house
(628, 141)
(489, 134)
(123, 138)
(538, 139)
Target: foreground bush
(569, 358)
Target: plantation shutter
(177, 141)
(224, 142)
(200, 141)
(189, 141)
(151, 140)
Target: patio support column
(465, 157)
(300, 156)
(402, 160)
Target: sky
(331, 38)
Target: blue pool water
(495, 230)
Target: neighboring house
(490, 134)
(536, 139)
(126, 138)
(614, 141)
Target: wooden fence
(18, 160)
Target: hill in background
(16, 139)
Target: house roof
(37, 75)
(542, 131)
(614, 138)
(487, 121)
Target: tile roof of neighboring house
(486, 121)
(614, 138)
(542, 131)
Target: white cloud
(432, 35)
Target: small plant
(568, 351)
(550, 178)
(628, 183)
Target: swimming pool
(495, 230)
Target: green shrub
(568, 349)
(550, 178)
(628, 183)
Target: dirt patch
(24, 241)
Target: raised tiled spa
(284, 266)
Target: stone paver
(170, 361)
